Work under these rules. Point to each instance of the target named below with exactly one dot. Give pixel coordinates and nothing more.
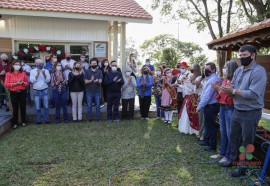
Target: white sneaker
(223, 160)
(23, 124)
(15, 126)
(146, 118)
(216, 156)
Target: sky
(140, 32)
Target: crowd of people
(196, 95)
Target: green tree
(155, 46)
(169, 55)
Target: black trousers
(243, 129)
(128, 108)
(144, 105)
(18, 99)
(180, 100)
(210, 115)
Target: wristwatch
(233, 92)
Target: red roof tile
(119, 8)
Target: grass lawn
(80, 154)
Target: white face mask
(16, 67)
(58, 68)
(54, 60)
(128, 73)
(147, 63)
(106, 64)
(158, 73)
(182, 70)
(132, 58)
(82, 59)
(114, 68)
(224, 71)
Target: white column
(110, 39)
(123, 46)
(115, 40)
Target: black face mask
(245, 61)
(68, 58)
(77, 68)
(192, 70)
(178, 66)
(5, 60)
(207, 72)
(145, 72)
(163, 66)
(94, 66)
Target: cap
(183, 63)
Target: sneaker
(216, 156)
(15, 126)
(146, 118)
(117, 120)
(157, 117)
(142, 118)
(169, 122)
(223, 160)
(23, 124)
(166, 121)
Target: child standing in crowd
(128, 94)
(113, 82)
(144, 85)
(76, 87)
(158, 83)
(169, 96)
(59, 85)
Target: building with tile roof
(94, 27)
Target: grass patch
(265, 124)
(80, 154)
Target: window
(77, 50)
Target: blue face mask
(40, 67)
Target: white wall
(53, 29)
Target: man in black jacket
(113, 82)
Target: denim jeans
(60, 101)
(90, 96)
(210, 114)
(225, 114)
(38, 97)
(113, 101)
(51, 95)
(160, 113)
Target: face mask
(192, 70)
(82, 59)
(132, 58)
(114, 68)
(158, 73)
(128, 73)
(40, 67)
(58, 68)
(177, 66)
(16, 67)
(145, 72)
(207, 72)
(68, 58)
(182, 70)
(5, 60)
(106, 64)
(169, 74)
(77, 68)
(94, 66)
(224, 71)
(54, 60)
(245, 61)
(147, 63)
(163, 66)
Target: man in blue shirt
(210, 104)
(150, 67)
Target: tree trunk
(221, 59)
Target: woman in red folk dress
(188, 117)
(16, 82)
